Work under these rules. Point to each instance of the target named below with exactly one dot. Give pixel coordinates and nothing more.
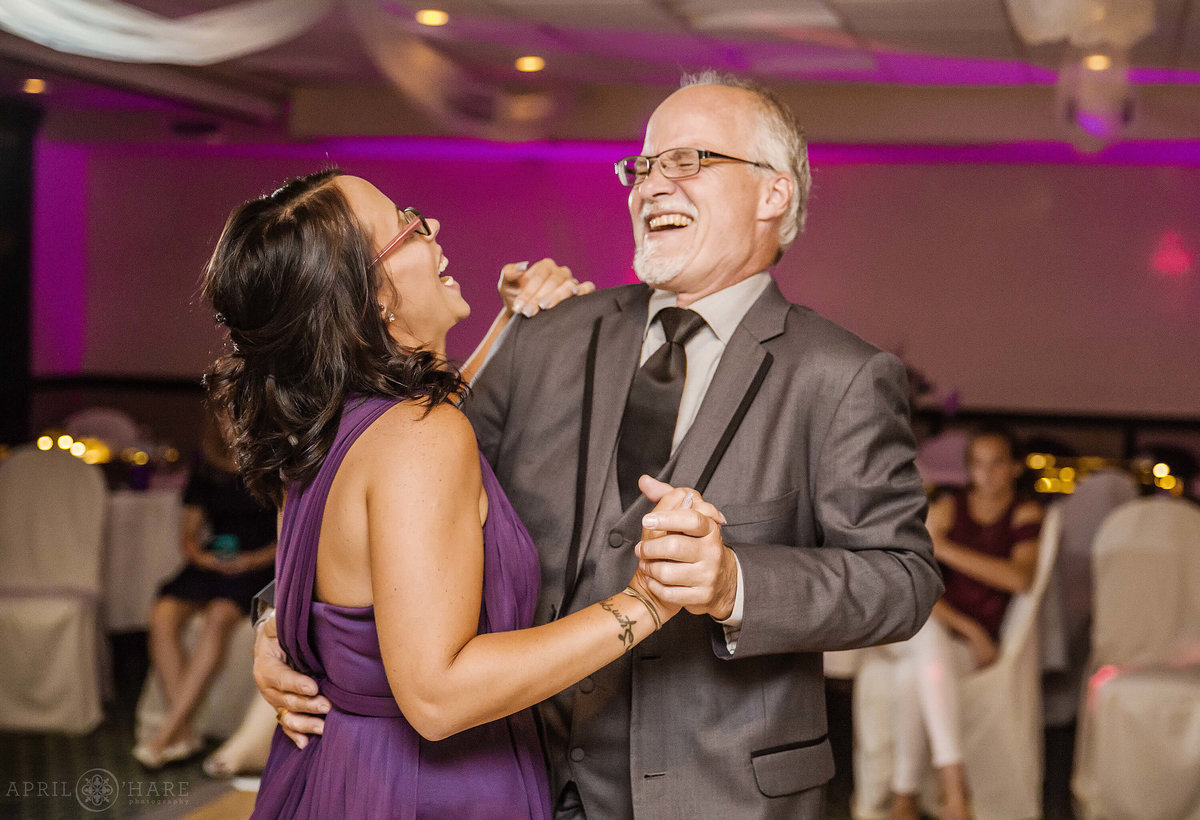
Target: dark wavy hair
(292, 281)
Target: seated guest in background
(228, 541)
(986, 539)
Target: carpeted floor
(42, 774)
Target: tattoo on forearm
(626, 634)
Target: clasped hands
(681, 557)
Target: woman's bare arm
(1012, 574)
(426, 554)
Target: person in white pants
(986, 539)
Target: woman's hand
(208, 561)
(983, 649)
(527, 289)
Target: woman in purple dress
(405, 582)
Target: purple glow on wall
(437, 149)
(60, 260)
(1163, 76)
(97, 279)
(1180, 153)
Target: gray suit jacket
(803, 442)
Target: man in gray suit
(793, 427)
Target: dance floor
(39, 772)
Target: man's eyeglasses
(676, 163)
(415, 224)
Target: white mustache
(650, 209)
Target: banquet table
(141, 550)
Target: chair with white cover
(1000, 714)
(1137, 751)
(51, 524)
(1070, 592)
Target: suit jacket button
(615, 539)
(577, 754)
(587, 685)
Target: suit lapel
(620, 348)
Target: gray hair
(780, 144)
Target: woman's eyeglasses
(415, 224)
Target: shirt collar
(723, 310)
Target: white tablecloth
(141, 551)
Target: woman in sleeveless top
(986, 540)
(405, 582)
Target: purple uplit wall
(138, 224)
(60, 286)
(1023, 277)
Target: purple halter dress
(369, 762)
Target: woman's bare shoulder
(412, 436)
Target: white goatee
(653, 267)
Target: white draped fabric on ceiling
(112, 30)
(120, 32)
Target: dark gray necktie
(653, 406)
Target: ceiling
(861, 70)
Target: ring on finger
(280, 712)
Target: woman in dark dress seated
(406, 583)
(228, 541)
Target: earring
(391, 317)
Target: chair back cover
(1146, 581)
(51, 521)
(1137, 750)
(55, 666)
(1068, 604)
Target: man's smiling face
(705, 232)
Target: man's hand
(526, 288)
(684, 559)
(286, 689)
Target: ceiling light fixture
(530, 63)
(1097, 62)
(34, 86)
(432, 17)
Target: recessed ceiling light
(1098, 62)
(432, 17)
(530, 63)
(34, 86)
